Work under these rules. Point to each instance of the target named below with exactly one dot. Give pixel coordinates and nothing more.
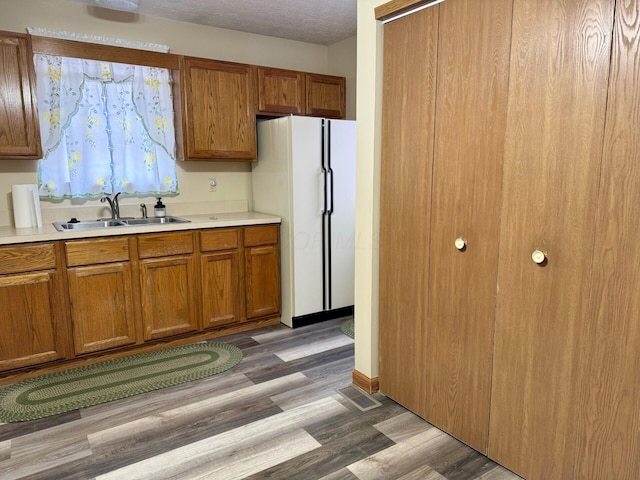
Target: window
(106, 128)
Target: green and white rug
(88, 385)
(347, 328)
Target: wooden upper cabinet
(325, 96)
(281, 91)
(19, 130)
(218, 110)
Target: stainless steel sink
(155, 220)
(87, 225)
(74, 224)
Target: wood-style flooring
(287, 411)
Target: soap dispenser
(159, 209)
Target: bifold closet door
(608, 440)
(471, 112)
(557, 100)
(410, 55)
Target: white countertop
(11, 235)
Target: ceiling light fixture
(124, 5)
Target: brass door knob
(460, 243)
(538, 256)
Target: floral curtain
(106, 128)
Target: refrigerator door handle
(322, 197)
(330, 193)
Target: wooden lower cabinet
(221, 274)
(168, 284)
(262, 270)
(221, 277)
(221, 289)
(82, 297)
(33, 306)
(102, 311)
(262, 277)
(30, 319)
(168, 296)
(101, 294)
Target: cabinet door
(101, 307)
(557, 100)
(608, 444)
(410, 54)
(467, 179)
(221, 289)
(218, 110)
(262, 271)
(325, 96)
(281, 91)
(19, 129)
(168, 296)
(30, 319)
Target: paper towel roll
(26, 205)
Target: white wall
(234, 181)
(343, 62)
(368, 112)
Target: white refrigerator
(305, 174)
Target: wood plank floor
(287, 411)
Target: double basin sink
(75, 224)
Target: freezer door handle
(330, 193)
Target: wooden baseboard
(369, 385)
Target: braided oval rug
(102, 382)
(347, 328)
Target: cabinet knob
(538, 256)
(460, 243)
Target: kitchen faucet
(113, 203)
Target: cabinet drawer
(26, 258)
(165, 244)
(218, 239)
(261, 235)
(90, 252)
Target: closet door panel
(557, 100)
(608, 442)
(410, 54)
(471, 112)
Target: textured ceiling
(322, 22)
